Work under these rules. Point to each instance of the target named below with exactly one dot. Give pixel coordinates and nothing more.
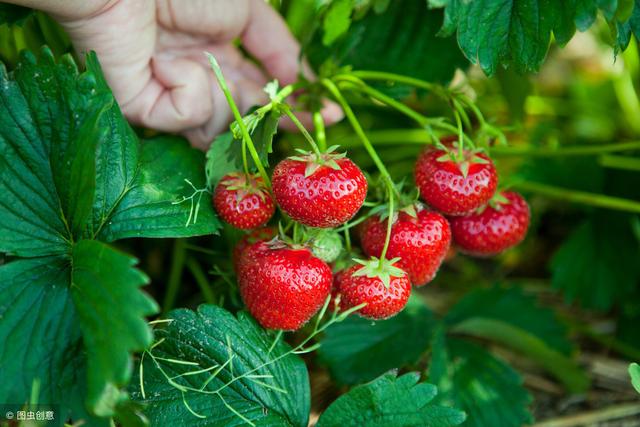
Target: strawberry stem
(303, 130)
(387, 238)
(355, 124)
(347, 240)
(460, 135)
(384, 76)
(581, 197)
(420, 119)
(236, 114)
(321, 136)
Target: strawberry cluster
(284, 283)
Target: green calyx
(496, 203)
(383, 269)
(463, 158)
(407, 202)
(245, 185)
(315, 161)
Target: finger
(123, 45)
(270, 41)
(172, 100)
(220, 20)
(231, 60)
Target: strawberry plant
(438, 257)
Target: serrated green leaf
(518, 32)
(634, 373)
(39, 326)
(515, 321)
(486, 388)
(72, 168)
(597, 265)
(401, 40)
(148, 207)
(337, 20)
(207, 338)
(390, 401)
(37, 121)
(111, 311)
(359, 350)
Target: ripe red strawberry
(421, 242)
(243, 201)
(254, 236)
(455, 187)
(497, 227)
(282, 286)
(384, 288)
(319, 191)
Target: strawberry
(382, 286)
(254, 236)
(243, 200)
(497, 227)
(319, 190)
(419, 237)
(452, 185)
(283, 286)
(325, 244)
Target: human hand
(151, 52)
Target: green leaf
(225, 154)
(597, 265)
(390, 401)
(514, 320)
(67, 118)
(511, 305)
(111, 311)
(277, 394)
(38, 320)
(42, 127)
(337, 20)
(401, 40)
(71, 168)
(634, 373)
(486, 388)
(39, 324)
(137, 184)
(626, 23)
(149, 208)
(358, 350)
(518, 32)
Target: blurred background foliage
(574, 149)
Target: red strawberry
(493, 229)
(455, 187)
(319, 191)
(254, 236)
(421, 242)
(383, 287)
(282, 286)
(243, 201)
